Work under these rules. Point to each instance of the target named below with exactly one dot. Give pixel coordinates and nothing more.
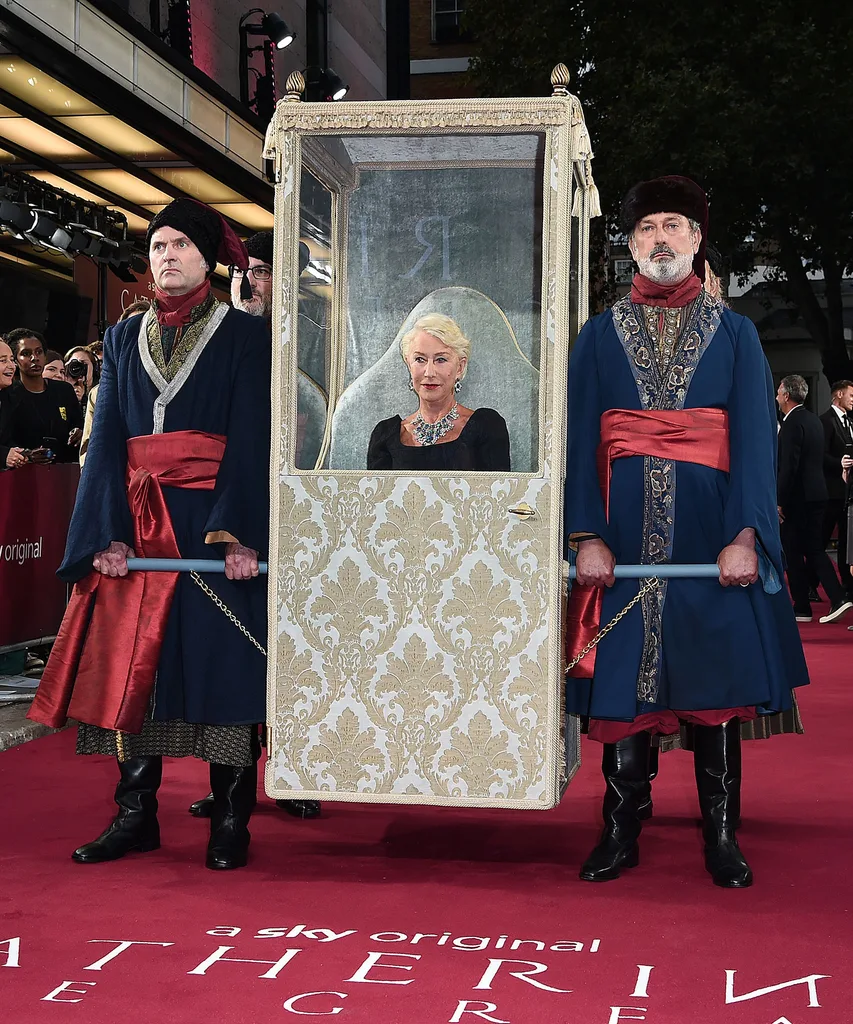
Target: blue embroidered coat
(208, 671)
(695, 645)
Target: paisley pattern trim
(663, 348)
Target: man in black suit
(802, 498)
(838, 441)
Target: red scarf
(175, 310)
(646, 292)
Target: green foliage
(752, 100)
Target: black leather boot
(304, 809)
(135, 827)
(625, 766)
(234, 798)
(646, 809)
(202, 808)
(717, 761)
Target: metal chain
(646, 588)
(224, 608)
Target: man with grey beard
(259, 275)
(672, 458)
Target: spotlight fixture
(15, 215)
(323, 85)
(277, 31)
(335, 86)
(42, 226)
(47, 217)
(274, 27)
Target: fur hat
(260, 246)
(206, 229)
(670, 194)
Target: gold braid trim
(184, 343)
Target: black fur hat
(670, 194)
(260, 246)
(207, 230)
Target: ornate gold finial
(295, 86)
(560, 79)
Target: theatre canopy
(90, 110)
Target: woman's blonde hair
(446, 330)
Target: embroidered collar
(186, 338)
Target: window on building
(446, 19)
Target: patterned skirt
(221, 744)
(783, 723)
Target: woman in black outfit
(46, 418)
(441, 434)
(10, 458)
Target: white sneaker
(837, 610)
(803, 618)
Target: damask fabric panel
(415, 648)
(220, 744)
(500, 376)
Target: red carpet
(476, 881)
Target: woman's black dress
(483, 445)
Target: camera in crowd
(76, 369)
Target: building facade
(109, 110)
(440, 50)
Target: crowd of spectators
(46, 399)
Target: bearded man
(672, 453)
(177, 467)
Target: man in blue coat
(177, 466)
(672, 455)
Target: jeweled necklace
(429, 433)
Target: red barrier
(35, 510)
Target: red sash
(691, 435)
(104, 661)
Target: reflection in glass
(447, 224)
(314, 327)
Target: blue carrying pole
(632, 572)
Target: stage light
(323, 85)
(15, 215)
(276, 29)
(336, 88)
(60, 239)
(79, 240)
(42, 226)
(51, 218)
